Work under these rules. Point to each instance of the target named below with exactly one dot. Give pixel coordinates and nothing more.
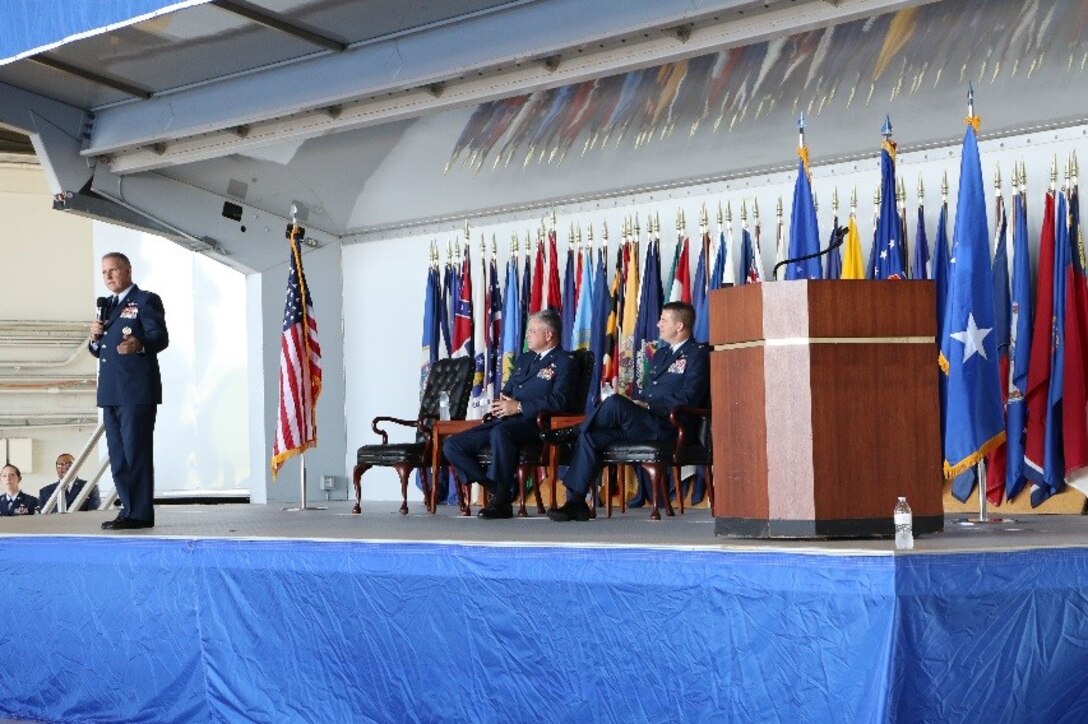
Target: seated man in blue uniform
(14, 501)
(679, 376)
(64, 463)
(544, 378)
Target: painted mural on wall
(902, 56)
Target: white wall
(384, 280)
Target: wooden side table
(553, 450)
(439, 432)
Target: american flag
(300, 368)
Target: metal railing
(59, 497)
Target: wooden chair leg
(404, 471)
(656, 473)
(710, 487)
(594, 500)
(522, 474)
(606, 486)
(540, 509)
(664, 492)
(356, 480)
(679, 484)
(621, 485)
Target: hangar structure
(206, 121)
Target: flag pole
(302, 454)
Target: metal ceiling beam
(89, 75)
(487, 58)
(276, 22)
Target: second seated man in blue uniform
(679, 376)
(544, 378)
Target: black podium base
(841, 528)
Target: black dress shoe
(570, 510)
(108, 525)
(496, 510)
(130, 524)
(561, 435)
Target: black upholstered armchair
(447, 375)
(691, 447)
(532, 456)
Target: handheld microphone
(102, 303)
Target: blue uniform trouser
(504, 437)
(617, 419)
(130, 439)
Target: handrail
(58, 498)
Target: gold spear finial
(755, 210)
(853, 200)
(604, 233)
(636, 228)
(876, 197)
(944, 188)
(921, 190)
(720, 217)
(553, 220)
(704, 220)
(578, 237)
(449, 252)
(997, 179)
(729, 213)
(1023, 177)
(1076, 170)
(514, 243)
(468, 236)
(1054, 173)
(778, 209)
(743, 211)
(494, 248)
(835, 201)
(589, 235)
(570, 239)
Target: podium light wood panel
(825, 408)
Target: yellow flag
(851, 257)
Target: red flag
(463, 343)
(555, 296)
(536, 299)
(1039, 366)
(300, 368)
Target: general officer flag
(969, 349)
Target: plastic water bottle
(904, 525)
(443, 405)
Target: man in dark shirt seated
(679, 375)
(544, 378)
(14, 501)
(64, 463)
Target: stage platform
(250, 613)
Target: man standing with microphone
(126, 338)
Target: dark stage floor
(380, 521)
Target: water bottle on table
(443, 405)
(904, 525)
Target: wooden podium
(825, 408)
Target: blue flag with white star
(975, 424)
(886, 258)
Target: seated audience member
(679, 376)
(544, 378)
(64, 463)
(14, 501)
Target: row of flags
(1012, 383)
